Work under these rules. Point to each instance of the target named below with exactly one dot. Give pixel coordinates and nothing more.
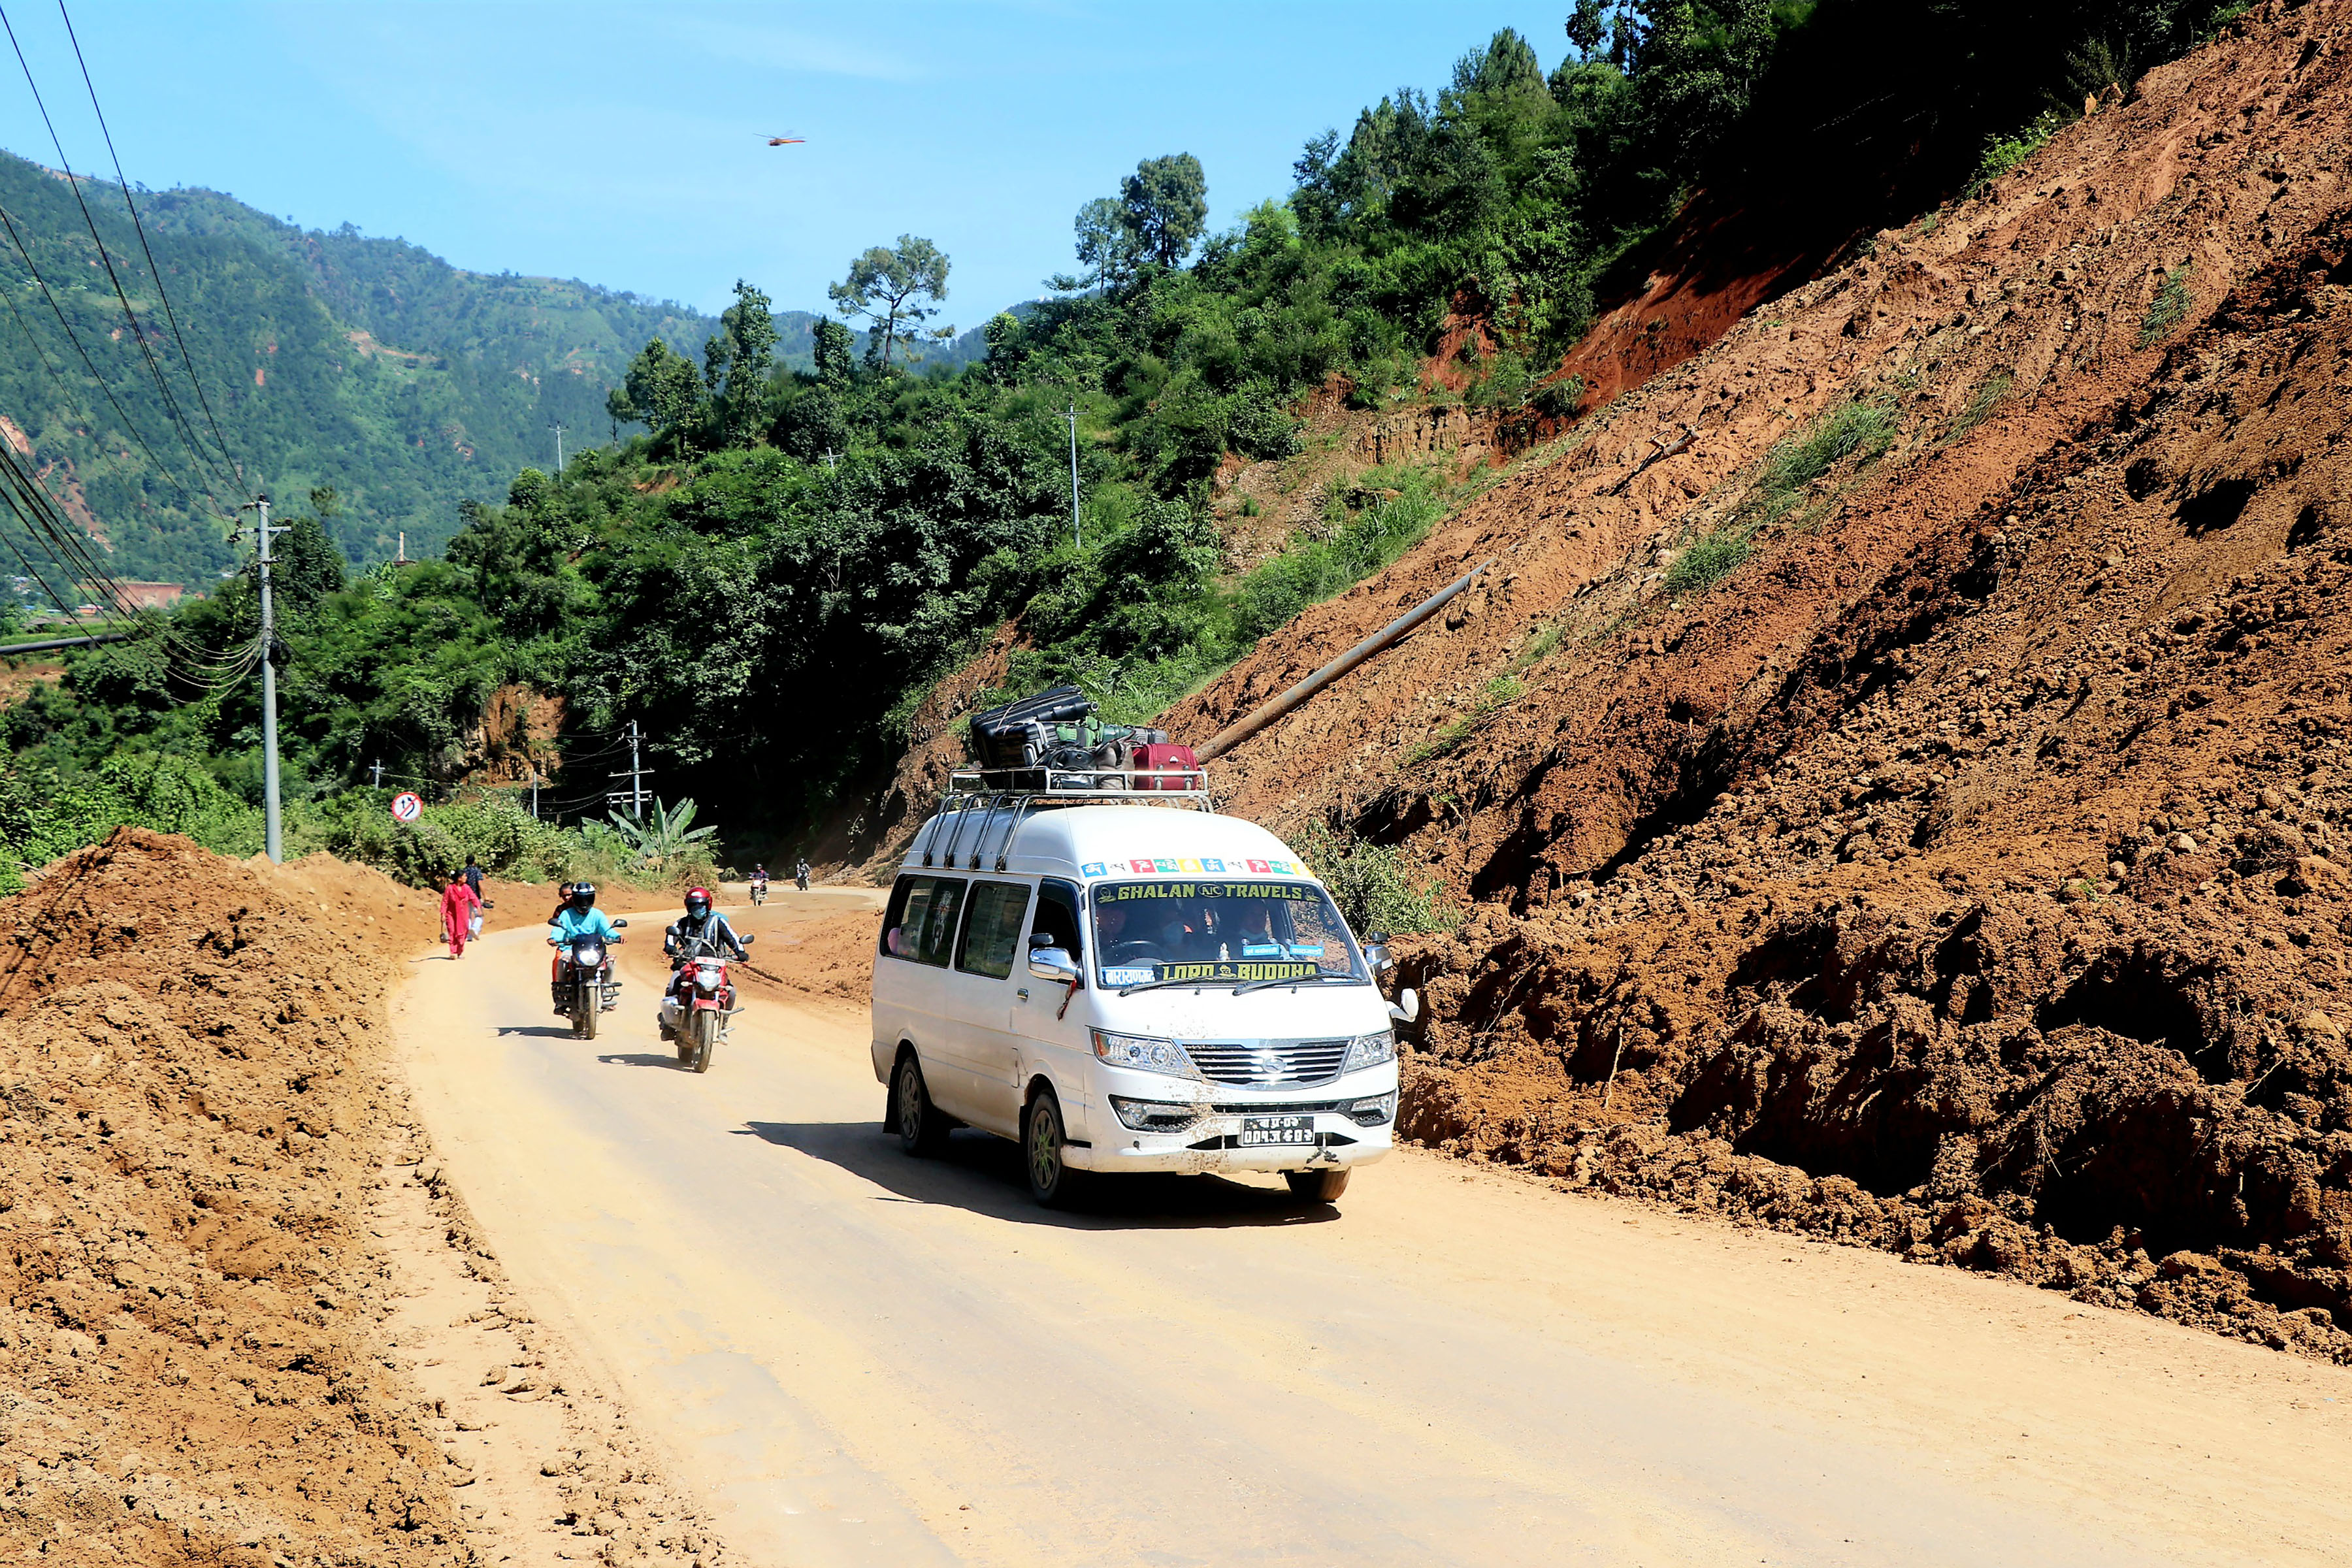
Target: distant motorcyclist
(702, 931)
(576, 917)
(759, 884)
(801, 873)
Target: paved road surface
(859, 1358)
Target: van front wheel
(1050, 1181)
(1322, 1186)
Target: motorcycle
(800, 878)
(701, 1000)
(585, 988)
(759, 894)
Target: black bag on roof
(1020, 735)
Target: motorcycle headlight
(1370, 1050)
(1155, 1115)
(706, 980)
(588, 957)
(1144, 1055)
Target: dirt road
(860, 1358)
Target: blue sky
(622, 144)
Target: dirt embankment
(224, 1245)
(1959, 873)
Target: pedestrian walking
(473, 875)
(461, 912)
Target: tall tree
(832, 345)
(896, 290)
(1106, 243)
(661, 390)
(736, 361)
(308, 568)
(1166, 204)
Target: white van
(1129, 988)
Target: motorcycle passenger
(703, 932)
(576, 917)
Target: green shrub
(1371, 886)
(2002, 153)
(44, 815)
(2168, 309)
(1707, 563)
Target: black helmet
(697, 901)
(583, 895)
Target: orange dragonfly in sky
(786, 141)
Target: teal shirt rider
(569, 922)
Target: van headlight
(1370, 1050)
(1144, 1054)
(1373, 1110)
(1155, 1115)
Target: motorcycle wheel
(706, 1035)
(583, 1013)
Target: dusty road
(859, 1358)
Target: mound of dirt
(1910, 808)
(831, 957)
(197, 1119)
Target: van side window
(992, 929)
(939, 927)
(902, 923)
(1057, 917)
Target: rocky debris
(1956, 866)
(198, 1116)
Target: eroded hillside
(1897, 757)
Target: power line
(170, 315)
(106, 258)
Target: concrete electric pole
(273, 839)
(557, 426)
(1076, 537)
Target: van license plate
(1258, 1131)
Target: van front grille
(1265, 1064)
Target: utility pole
(636, 777)
(377, 769)
(534, 795)
(557, 426)
(1076, 536)
(273, 840)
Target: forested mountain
(329, 359)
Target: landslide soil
(1963, 872)
(244, 1319)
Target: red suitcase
(1151, 759)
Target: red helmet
(697, 901)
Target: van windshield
(1218, 931)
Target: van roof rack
(988, 804)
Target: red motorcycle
(701, 1000)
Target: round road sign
(406, 808)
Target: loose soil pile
(197, 1119)
(1912, 807)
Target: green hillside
(329, 358)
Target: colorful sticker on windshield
(1228, 968)
(1280, 949)
(1091, 869)
(1208, 865)
(1127, 975)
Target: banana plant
(666, 831)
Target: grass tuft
(2168, 309)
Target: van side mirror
(1053, 963)
(1407, 1006)
(1376, 953)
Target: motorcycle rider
(801, 873)
(702, 930)
(759, 883)
(576, 917)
